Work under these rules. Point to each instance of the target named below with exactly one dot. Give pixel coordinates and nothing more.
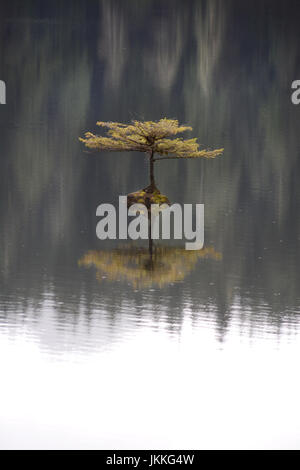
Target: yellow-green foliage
(131, 264)
(150, 137)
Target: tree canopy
(152, 137)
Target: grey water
(96, 350)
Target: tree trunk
(152, 169)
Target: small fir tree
(155, 138)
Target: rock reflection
(143, 268)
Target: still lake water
(96, 350)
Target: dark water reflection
(224, 67)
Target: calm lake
(96, 349)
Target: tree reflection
(143, 268)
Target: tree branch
(173, 157)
